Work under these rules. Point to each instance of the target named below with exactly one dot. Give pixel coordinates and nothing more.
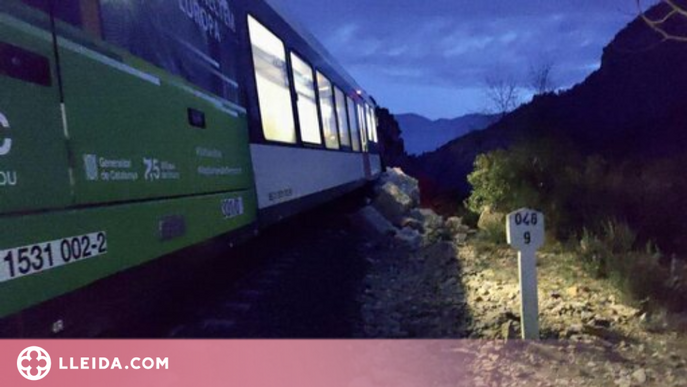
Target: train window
(374, 125)
(341, 115)
(355, 132)
(274, 96)
(363, 127)
(331, 134)
(370, 124)
(304, 82)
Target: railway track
(301, 279)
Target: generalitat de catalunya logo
(33, 363)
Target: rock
(639, 376)
(573, 291)
(373, 219)
(412, 223)
(392, 202)
(428, 218)
(405, 183)
(490, 220)
(623, 382)
(441, 253)
(574, 329)
(433, 225)
(410, 237)
(460, 239)
(454, 224)
(624, 311)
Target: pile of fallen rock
(413, 286)
(395, 210)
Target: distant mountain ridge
(421, 135)
(632, 106)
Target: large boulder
(392, 202)
(408, 185)
(371, 218)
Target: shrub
(618, 236)
(636, 272)
(621, 209)
(594, 252)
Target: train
(133, 130)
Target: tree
(670, 21)
(503, 93)
(540, 78)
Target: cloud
(345, 34)
(432, 47)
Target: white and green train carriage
(130, 130)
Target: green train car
(132, 130)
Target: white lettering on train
(208, 14)
(8, 178)
(6, 146)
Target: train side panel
(34, 171)
(138, 133)
(125, 164)
(47, 255)
(288, 173)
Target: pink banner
(214, 363)
(287, 363)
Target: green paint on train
(106, 161)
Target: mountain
(422, 135)
(632, 107)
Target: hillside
(424, 135)
(632, 107)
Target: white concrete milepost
(525, 233)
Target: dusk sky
(432, 57)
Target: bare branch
(677, 14)
(503, 93)
(540, 78)
(682, 11)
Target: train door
(34, 172)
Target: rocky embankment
(413, 286)
(432, 277)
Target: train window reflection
(274, 96)
(331, 134)
(304, 82)
(341, 117)
(355, 131)
(371, 131)
(363, 127)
